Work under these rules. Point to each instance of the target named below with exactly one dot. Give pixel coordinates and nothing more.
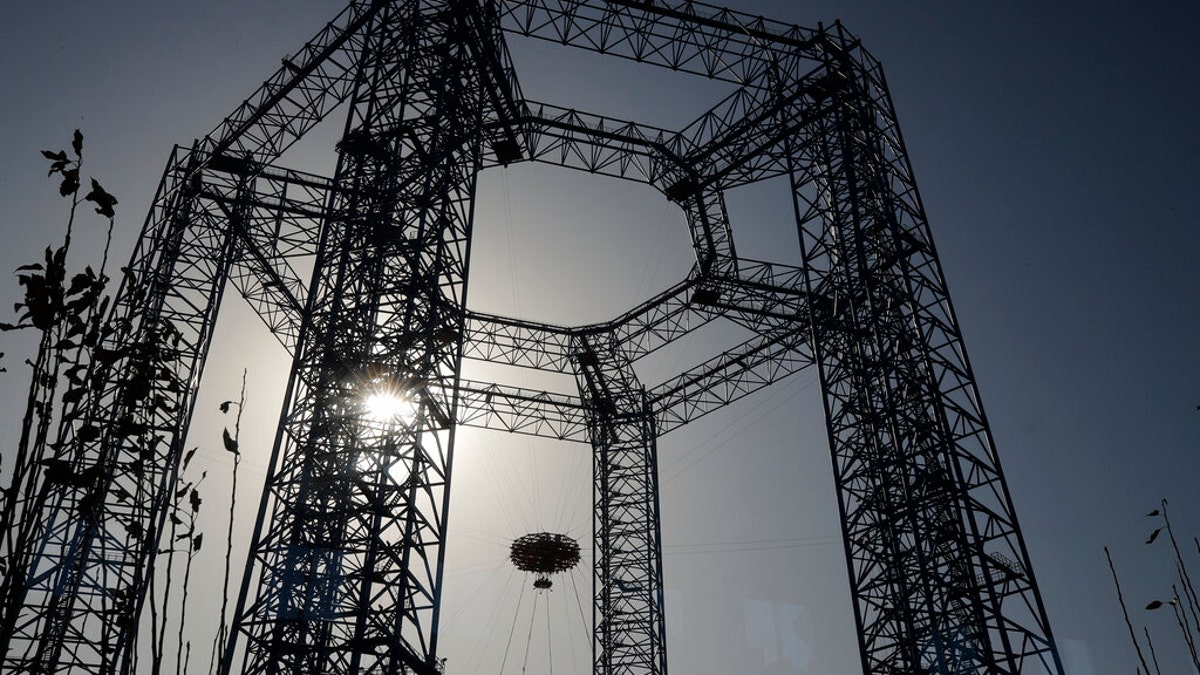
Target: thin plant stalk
(1185, 627)
(222, 627)
(1153, 654)
(1181, 572)
(194, 540)
(187, 578)
(1188, 638)
(155, 644)
(1189, 591)
(157, 656)
(24, 479)
(1125, 612)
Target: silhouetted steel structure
(345, 570)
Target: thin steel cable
(537, 481)
(549, 641)
(529, 640)
(657, 251)
(521, 376)
(473, 597)
(580, 466)
(477, 655)
(718, 441)
(574, 659)
(513, 628)
(512, 247)
(752, 545)
(503, 500)
(576, 490)
(564, 493)
(587, 634)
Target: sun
(386, 407)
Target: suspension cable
(513, 629)
(549, 641)
(529, 640)
(579, 603)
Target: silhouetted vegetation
(1182, 598)
(230, 441)
(76, 340)
(70, 314)
(67, 312)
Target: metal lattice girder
(689, 37)
(600, 144)
(771, 63)
(522, 411)
(708, 224)
(940, 574)
(629, 635)
(92, 532)
(735, 374)
(260, 275)
(515, 342)
(345, 566)
(276, 217)
(723, 379)
(298, 95)
(346, 559)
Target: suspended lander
(544, 554)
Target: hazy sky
(1055, 148)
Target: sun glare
(387, 407)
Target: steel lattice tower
(345, 570)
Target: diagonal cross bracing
(363, 280)
(347, 565)
(89, 543)
(629, 633)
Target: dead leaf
(231, 443)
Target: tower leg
(345, 567)
(939, 573)
(629, 637)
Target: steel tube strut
(345, 569)
(629, 634)
(347, 557)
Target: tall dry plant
(1137, 647)
(77, 340)
(194, 540)
(67, 312)
(186, 541)
(230, 442)
(1185, 604)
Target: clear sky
(1055, 146)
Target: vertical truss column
(940, 576)
(345, 569)
(629, 633)
(89, 533)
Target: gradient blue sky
(1055, 146)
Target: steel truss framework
(362, 278)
